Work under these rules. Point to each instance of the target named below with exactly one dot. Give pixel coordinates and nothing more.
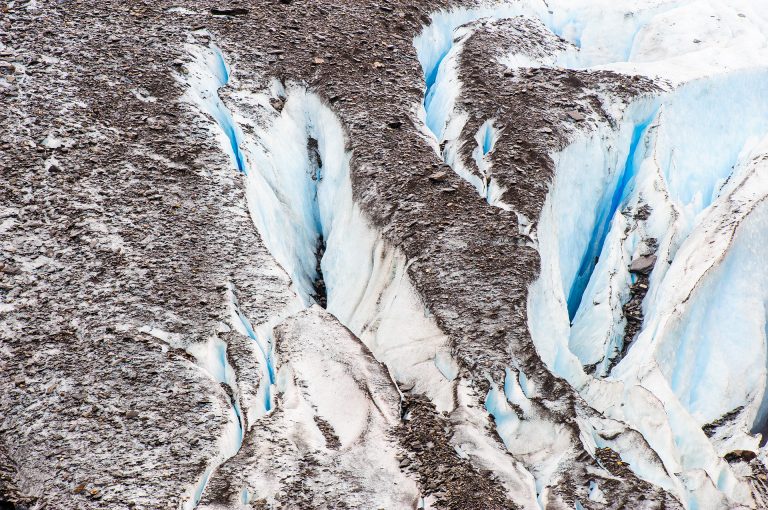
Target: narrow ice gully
(689, 158)
(211, 358)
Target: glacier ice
(297, 198)
(263, 340)
(606, 210)
(666, 153)
(367, 285)
(677, 155)
(338, 409)
(295, 314)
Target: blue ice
(606, 210)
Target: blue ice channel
(604, 218)
(267, 354)
(220, 376)
(488, 138)
(235, 405)
(430, 79)
(198, 495)
(224, 116)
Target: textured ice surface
(688, 154)
(338, 410)
(676, 156)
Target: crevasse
(596, 35)
(212, 357)
(676, 163)
(294, 204)
(208, 74)
(438, 48)
(606, 211)
(263, 342)
(296, 167)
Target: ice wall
(297, 197)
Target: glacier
(402, 254)
(299, 195)
(296, 171)
(676, 178)
(667, 153)
(675, 156)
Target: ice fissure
(298, 183)
(295, 162)
(629, 205)
(212, 357)
(622, 299)
(440, 45)
(204, 86)
(264, 343)
(606, 211)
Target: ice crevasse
(681, 179)
(295, 163)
